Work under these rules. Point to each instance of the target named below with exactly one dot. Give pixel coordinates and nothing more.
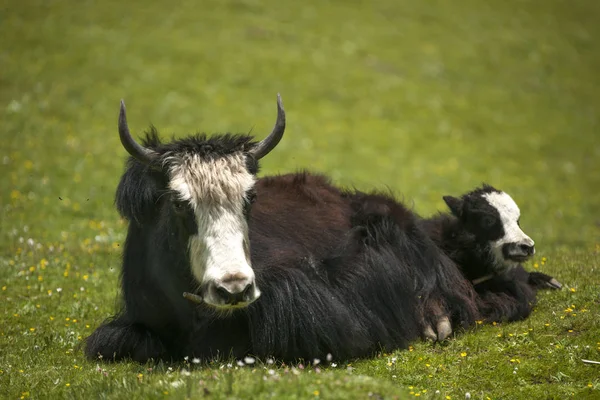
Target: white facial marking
(509, 216)
(215, 189)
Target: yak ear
(455, 205)
(138, 191)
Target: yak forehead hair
(216, 145)
(205, 169)
(223, 180)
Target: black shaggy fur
(465, 236)
(345, 273)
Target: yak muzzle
(231, 292)
(519, 251)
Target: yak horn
(263, 147)
(139, 152)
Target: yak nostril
(247, 291)
(527, 249)
(223, 294)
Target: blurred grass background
(427, 98)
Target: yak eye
(179, 206)
(487, 221)
(249, 199)
(519, 222)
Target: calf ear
(455, 205)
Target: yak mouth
(196, 299)
(518, 257)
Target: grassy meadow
(426, 98)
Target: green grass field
(426, 98)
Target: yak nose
(527, 248)
(230, 295)
(235, 290)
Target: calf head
(199, 190)
(492, 217)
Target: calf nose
(234, 292)
(526, 248)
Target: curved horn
(141, 153)
(267, 144)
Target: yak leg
(543, 281)
(119, 339)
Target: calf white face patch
(219, 251)
(515, 245)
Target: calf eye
(487, 222)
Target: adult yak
(284, 266)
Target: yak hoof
(429, 333)
(554, 284)
(444, 329)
